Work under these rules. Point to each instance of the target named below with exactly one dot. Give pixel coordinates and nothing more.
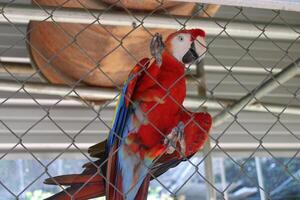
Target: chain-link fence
(63, 67)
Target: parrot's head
(187, 46)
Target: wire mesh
(244, 38)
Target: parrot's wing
(123, 107)
(120, 130)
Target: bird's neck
(170, 63)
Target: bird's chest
(175, 92)
(162, 114)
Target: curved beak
(191, 55)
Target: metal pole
(21, 170)
(45, 147)
(209, 175)
(223, 178)
(290, 5)
(195, 102)
(280, 150)
(16, 68)
(260, 178)
(238, 69)
(269, 85)
(21, 60)
(24, 13)
(21, 66)
(95, 93)
(46, 89)
(208, 165)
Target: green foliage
(37, 195)
(274, 173)
(246, 176)
(155, 193)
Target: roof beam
(22, 14)
(253, 96)
(288, 5)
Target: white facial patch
(200, 46)
(181, 44)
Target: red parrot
(149, 114)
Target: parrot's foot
(176, 136)
(156, 47)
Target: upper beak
(191, 55)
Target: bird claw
(156, 47)
(175, 136)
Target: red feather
(133, 77)
(169, 87)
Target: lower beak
(191, 55)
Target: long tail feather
(73, 179)
(143, 191)
(83, 186)
(112, 188)
(98, 150)
(118, 195)
(92, 167)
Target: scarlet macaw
(149, 109)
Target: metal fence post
(260, 178)
(208, 165)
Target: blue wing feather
(123, 111)
(119, 121)
(121, 127)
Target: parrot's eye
(180, 38)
